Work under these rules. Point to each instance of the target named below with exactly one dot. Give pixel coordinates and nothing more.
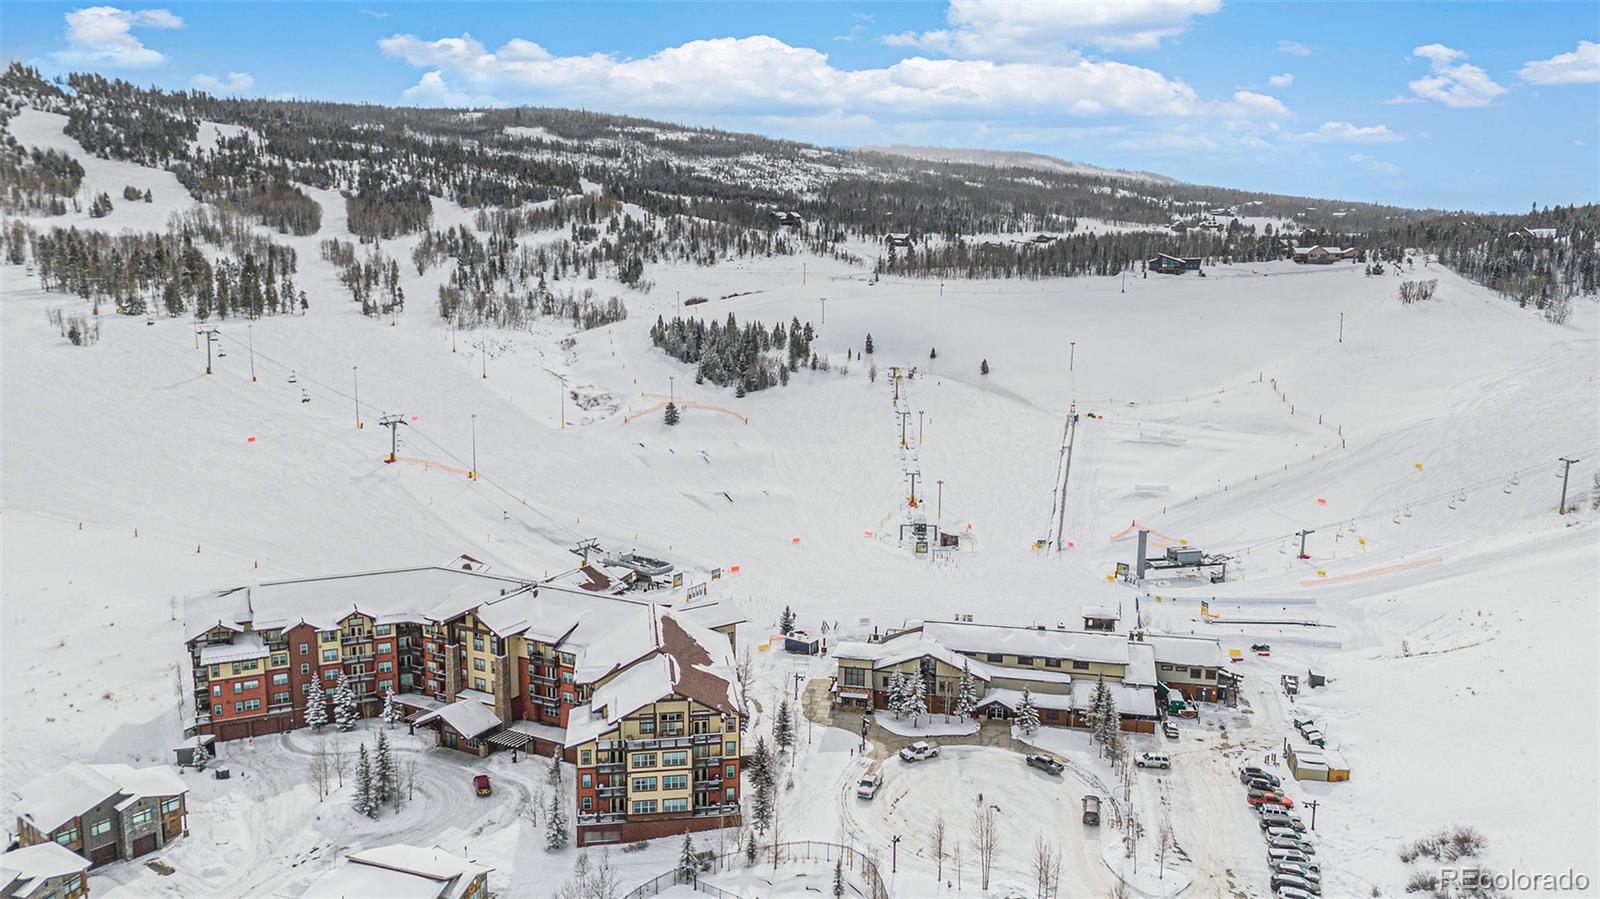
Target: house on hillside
(43, 871)
(898, 241)
(103, 812)
(1318, 254)
(784, 218)
(400, 870)
(1164, 264)
(1534, 234)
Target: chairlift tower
(393, 423)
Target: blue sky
(1490, 106)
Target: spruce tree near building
(917, 703)
(762, 778)
(686, 862)
(786, 621)
(897, 693)
(555, 821)
(316, 704)
(365, 801)
(391, 713)
(383, 773)
(869, 345)
(838, 879)
(672, 415)
(344, 705)
(966, 693)
(1027, 715)
(783, 727)
(750, 848)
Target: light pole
(250, 333)
(1341, 327)
(913, 475)
(1313, 804)
(939, 514)
(355, 374)
(1562, 509)
(474, 474)
(919, 427)
(798, 679)
(894, 857)
(824, 311)
(672, 389)
(1072, 354)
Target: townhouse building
(403, 871)
(43, 871)
(103, 812)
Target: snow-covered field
(1228, 412)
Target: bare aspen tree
(985, 841)
(605, 882)
(321, 770)
(340, 761)
(936, 838)
(1046, 868)
(777, 829)
(1165, 841)
(410, 772)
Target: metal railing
(799, 851)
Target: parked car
(1260, 647)
(1275, 855)
(1270, 830)
(1314, 737)
(1302, 723)
(1261, 783)
(868, 786)
(1170, 728)
(1289, 892)
(1291, 684)
(1279, 881)
(1308, 870)
(1091, 810)
(1257, 798)
(1274, 816)
(918, 751)
(1152, 760)
(1294, 842)
(1046, 764)
(1250, 771)
(481, 785)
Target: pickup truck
(918, 751)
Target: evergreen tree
(750, 848)
(316, 703)
(687, 866)
(391, 713)
(966, 692)
(933, 353)
(1594, 492)
(344, 705)
(739, 390)
(983, 367)
(897, 693)
(671, 415)
(762, 777)
(1095, 717)
(786, 621)
(555, 824)
(917, 702)
(365, 801)
(869, 345)
(838, 879)
(1027, 715)
(783, 727)
(383, 772)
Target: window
(568, 658)
(385, 647)
(280, 658)
(1080, 666)
(647, 725)
(1052, 663)
(566, 698)
(279, 680)
(327, 636)
(216, 711)
(305, 667)
(100, 827)
(729, 773)
(332, 674)
(385, 686)
(168, 806)
(587, 781)
(855, 677)
(479, 684)
(674, 759)
(280, 698)
(588, 803)
(733, 748)
(251, 705)
(675, 782)
(1194, 673)
(305, 649)
(997, 657)
(479, 665)
(74, 884)
(383, 630)
(330, 655)
(477, 642)
(644, 806)
(672, 723)
(385, 666)
(213, 671)
(728, 795)
(644, 760)
(143, 816)
(675, 805)
(216, 689)
(644, 785)
(1024, 660)
(68, 836)
(584, 757)
(250, 665)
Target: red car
(1258, 798)
(481, 784)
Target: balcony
(661, 743)
(356, 637)
(710, 761)
(714, 783)
(608, 792)
(358, 656)
(611, 767)
(603, 818)
(707, 738)
(710, 811)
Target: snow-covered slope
(1227, 411)
(1013, 159)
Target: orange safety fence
(1373, 572)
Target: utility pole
(1313, 804)
(249, 332)
(824, 311)
(672, 389)
(356, 375)
(802, 274)
(798, 680)
(1341, 327)
(1562, 509)
(894, 856)
(866, 722)
(939, 513)
(1302, 536)
(393, 423)
(210, 335)
(679, 295)
(919, 427)
(473, 475)
(1072, 354)
(587, 546)
(483, 355)
(452, 335)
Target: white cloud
(1347, 133)
(1581, 66)
(1026, 29)
(858, 27)
(1374, 165)
(103, 36)
(1293, 48)
(431, 90)
(374, 13)
(233, 85)
(762, 76)
(1251, 101)
(1453, 83)
(1283, 80)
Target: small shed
(1308, 762)
(898, 241)
(1099, 618)
(802, 643)
(187, 750)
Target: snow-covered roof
(1130, 700)
(1012, 699)
(24, 870)
(1099, 612)
(354, 881)
(467, 717)
(143, 783)
(1030, 641)
(712, 614)
(55, 799)
(428, 593)
(452, 872)
(914, 645)
(244, 646)
(557, 615)
(1201, 652)
(1141, 665)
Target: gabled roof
(1111, 649)
(467, 717)
(24, 870)
(55, 799)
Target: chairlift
(1515, 481)
(1506, 488)
(1408, 510)
(1352, 526)
(1462, 496)
(292, 378)
(305, 397)
(1397, 518)
(1452, 502)
(221, 352)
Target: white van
(1275, 855)
(1153, 760)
